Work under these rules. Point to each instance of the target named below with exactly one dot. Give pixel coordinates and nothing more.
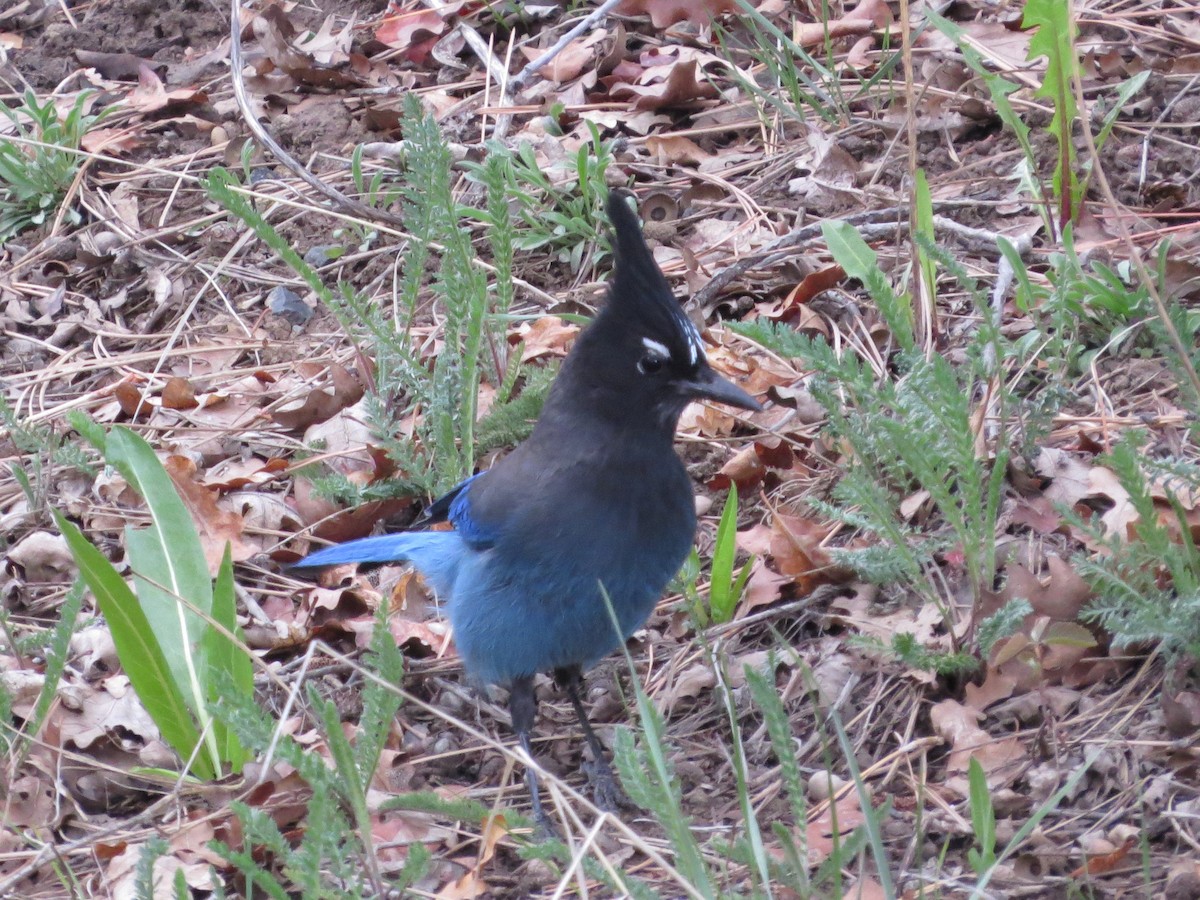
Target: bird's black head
(641, 360)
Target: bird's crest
(641, 296)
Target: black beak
(708, 385)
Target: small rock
(287, 303)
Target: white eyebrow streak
(695, 346)
(655, 347)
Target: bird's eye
(651, 363)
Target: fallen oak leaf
(868, 15)
(569, 62)
(957, 725)
(676, 87)
(151, 96)
(178, 393)
(794, 306)
(412, 31)
(665, 13)
(1104, 863)
(216, 526)
(675, 149)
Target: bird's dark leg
(522, 707)
(605, 789)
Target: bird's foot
(607, 792)
(543, 829)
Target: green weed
(39, 166)
(444, 390)
(1148, 588)
(330, 853)
(556, 208)
(908, 434)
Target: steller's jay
(593, 504)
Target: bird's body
(556, 556)
(594, 504)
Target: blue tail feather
(435, 554)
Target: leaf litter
(153, 312)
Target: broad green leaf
(140, 653)
(852, 254)
(850, 250)
(1055, 40)
(721, 597)
(1068, 634)
(167, 562)
(983, 817)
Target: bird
(594, 509)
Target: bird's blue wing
(439, 510)
(478, 530)
(456, 506)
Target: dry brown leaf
(326, 390)
(667, 86)
(996, 687)
(867, 15)
(762, 589)
(865, 888)
(745, 469)
(545, 336)
(427, 638)
(44, 558)
(676, 150)
(1037, 514)
(178, 393)
(1181, 713)
(122, 877)
(835, 823)
(111, 141)
(922, 623)
(413, 31)
(827, 173)
(797, 551)
(109, 710)
(1104, 863)
(686, 685)
(313, 59)
(794, 310)
(665, 13)
(338, 525)
(238, 472)
(1120, 518)
(569, 62)
(264, 517)
(1067, 473)
(216, 526)
(150, 96)
(831, 673)
(1060, 594)
(468, 887)
(958, 726)
(30, 802)
(749, 465)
